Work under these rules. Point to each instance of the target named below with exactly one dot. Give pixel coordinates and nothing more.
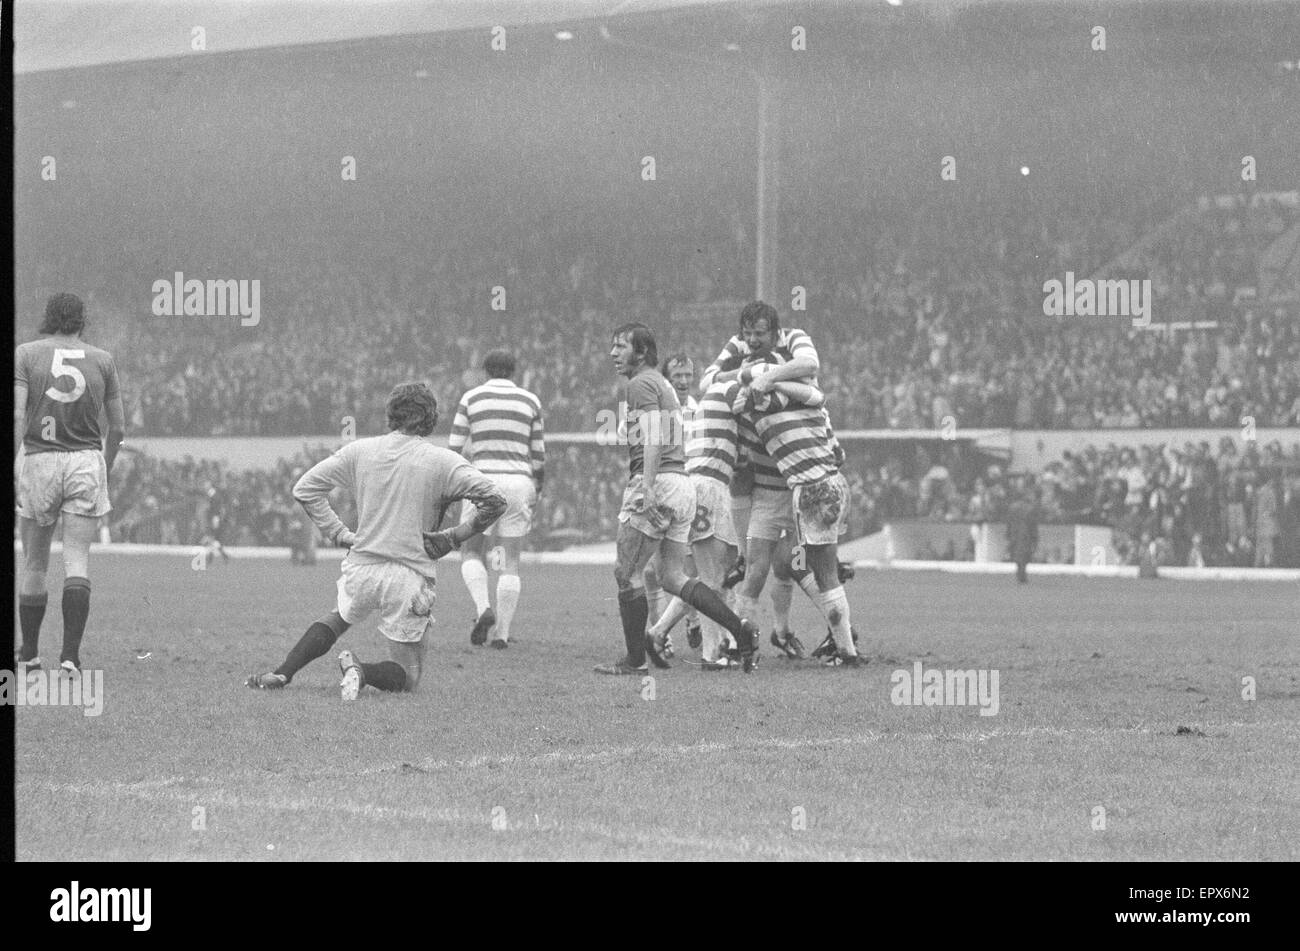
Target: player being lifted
(770, 526)
(401, 483)
(61, 386)
(658, 505)
(502, 423)
(767, 508)
(711, 457)
(798, 438)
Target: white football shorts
(52, 482)
(822, 510)
(712, 511)
(772, 513)
(674, 507)
(521, 498)
(403, 597)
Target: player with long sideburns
(658, 506)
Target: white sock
(656, 601)
(809, 584)
(746, 607)
(782, 595)
(833, 603)
(714, 639)
(476, 580)
(675, 611)
(507, 599)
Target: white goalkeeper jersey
(402, 485)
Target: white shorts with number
(521, 497)
(403, 597)
(712, 511)
(772, 513)
(673, 511)
(821, 510)
(53, 482)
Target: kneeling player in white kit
(401, 483)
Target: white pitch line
(702, 749)
(741, 845)
(682, 751)
(157, 791)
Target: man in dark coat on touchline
(1022, 526)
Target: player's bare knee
(673, 581)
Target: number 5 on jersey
(58, 368)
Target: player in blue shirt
(62, 388)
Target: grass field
(526, 754)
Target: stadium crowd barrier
(602, 555)
(912, 540)
(1027, 450)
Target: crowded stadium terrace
(924, 296)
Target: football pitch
(1121, 730)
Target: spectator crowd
(919, 318)
(1191, 506)
(923, 319)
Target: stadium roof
(65, 34)
(62, 34)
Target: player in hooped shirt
(500, 423)
(62, 385)
(761, 498)
(798, 438)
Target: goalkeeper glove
(437, 544)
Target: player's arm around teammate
(761, 335)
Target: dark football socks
(634, 610)
(76, 608)
(386, 675)
(31, 611)
(318, 639)
(705, 600)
